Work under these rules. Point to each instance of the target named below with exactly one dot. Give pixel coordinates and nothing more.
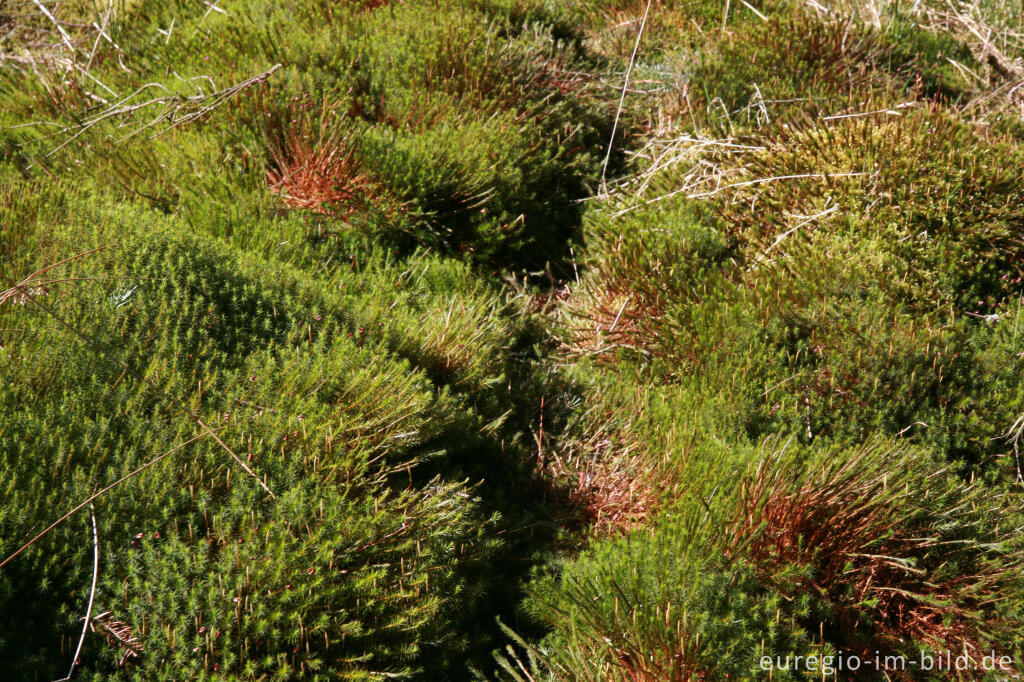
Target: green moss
(793, 321)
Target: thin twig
(121, 633)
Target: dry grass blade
(1012, 436)
(96, 495)
(178, 403)
(23, 289)
(685, 190)
(92, 594)
(622, 98)
(26, 285)
(661, 155)
(176, 110)
(63, 34)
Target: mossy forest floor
(335, 343)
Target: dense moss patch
(369, 360)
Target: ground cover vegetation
(509, 339)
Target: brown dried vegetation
(312, 164)
(862, 540)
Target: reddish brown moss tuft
(860, 542)
(312, 164)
